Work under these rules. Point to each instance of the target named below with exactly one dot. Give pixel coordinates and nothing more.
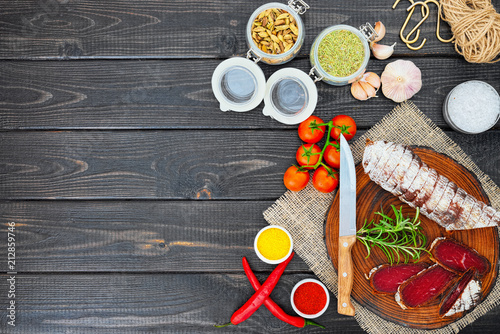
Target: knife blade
(347, 228)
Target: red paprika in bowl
(310, 298)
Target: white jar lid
(238, 84)
(290, 95)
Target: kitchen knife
(347, 227)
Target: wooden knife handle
(345, 275)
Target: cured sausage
(397, 169)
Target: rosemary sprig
(397, 237)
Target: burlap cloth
(303, 213)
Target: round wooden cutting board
(370, 198)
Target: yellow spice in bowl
(273, 244)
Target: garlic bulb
(401, 80)
(380, 30)
(381, 51)
(366, 87)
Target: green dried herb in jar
(341, 53)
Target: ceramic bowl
(262, 257)
(305, 315)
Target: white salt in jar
(472, 107)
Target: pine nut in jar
(275, 32)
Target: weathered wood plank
(133, 303)
(124, 303)
(152, 164)
(51, 29)
(177, 94)
(135, 236)
(173, 164)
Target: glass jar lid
(291, 96)
(238, 84)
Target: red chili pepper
(272, 306)
(258, 298)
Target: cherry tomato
(345, 125)
(332, 155)
(309, 131)
(295, 179)
(324, 181)
(308, 154)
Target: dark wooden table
(134, 197)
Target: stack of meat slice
(455, 276)
(397, 169)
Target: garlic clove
(401, 80)
(358, 92)
(369, 89)
(373, 79)
(380, 30)
(381, 51)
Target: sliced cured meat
(444, 203)
(424, 287)
(421, 186)
(487, 215)
(496, 218)
(467, 206)
(454, 210)
(409, 176)
(463, 296)
(417, 184)
(391, 166)
(384, 158)
(395, 180)
(372, 154)
(387, 278)
(474, 216)
(427, 189)
(458, 257)
(437, 193)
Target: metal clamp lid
(253, 57)
(299, 6)
(368, 31)
(314, 75)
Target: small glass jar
(472, 107)
(365, 33)
(294, 8)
